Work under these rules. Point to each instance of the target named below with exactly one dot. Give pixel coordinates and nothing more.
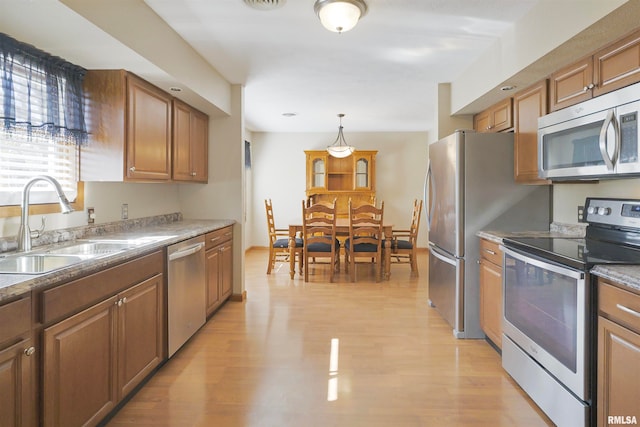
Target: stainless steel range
(549, 342)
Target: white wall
(107, 198)
(279, 173)
(567, 197)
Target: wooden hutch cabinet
(330, 178)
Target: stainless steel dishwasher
(186, 291)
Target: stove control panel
(615, 212)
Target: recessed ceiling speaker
(265, 4)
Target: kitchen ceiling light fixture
(340, 148)
(339, 15)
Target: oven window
(542, 304)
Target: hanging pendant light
(340, 148)
(339, 15)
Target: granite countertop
(159, 234)
(625, 275)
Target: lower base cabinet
(618, 355)
(491, 291)
(93, 359)
(219, 267)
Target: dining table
(342, 229)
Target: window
(41, 122)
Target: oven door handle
(533, 260)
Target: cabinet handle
(193, 174)
(29, 351)
(132, 168)
(489, 251)
(124, 300)
(628, 310)
(119, 303)
(478, 262)
(214, 239)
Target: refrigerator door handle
(440, 256)
(428, 179)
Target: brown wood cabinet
(497, 118)
(18, 362)
(219, 267)
(330, 178)
(612, 67)
(528, 105)
(190, 143)
(95, 357)
(129, 122)
(618, 352)
(491, 291)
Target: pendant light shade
(340, 15)
(340, 148)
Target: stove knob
(591, 210)
(604, 211)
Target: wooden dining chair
(319, 237)
(279, 242)
(405, 241)
(365, 238)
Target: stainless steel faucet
(24, 232)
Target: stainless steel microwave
(597, 138)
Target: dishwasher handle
(186, 252)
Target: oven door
(545, 314)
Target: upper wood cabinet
(496, 118)
(528, 106)
(316, 170)
(612, 67)
(140, 133)
(190, 143)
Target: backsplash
(10, 244)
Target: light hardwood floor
(267, 361)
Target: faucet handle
(38, 232)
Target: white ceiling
(383, 74)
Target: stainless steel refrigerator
(470, 187)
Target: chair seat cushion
(322, 247)
(361, 247)
(403, 244)
(284, 243)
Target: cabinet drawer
(67, 299)
(619, 305)
(214, 238)
(15, 318)
(491, 251)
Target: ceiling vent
(265, 4)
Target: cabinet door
(362, 171)
(482, 122)
(617, 65)
(190, 143)
(140, 337)
(502, 116)
(491, 301)
(148, 131)
(529, 105)
(317, 170)
(80, 367)
(618, 374)
(214, 298)
(226, 270)
(17, 400)
(571, 84)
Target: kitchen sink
(36, 263)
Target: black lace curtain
(41, 94)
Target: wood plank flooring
(267, 362)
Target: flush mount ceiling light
(339, 15)
(340, 148)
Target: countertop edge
(625, 275)
(15, 285)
